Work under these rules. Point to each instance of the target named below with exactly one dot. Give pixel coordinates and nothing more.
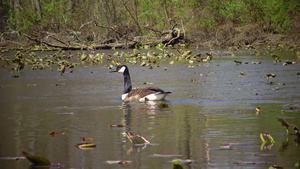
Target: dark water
(204, 112)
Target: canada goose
(139, 94)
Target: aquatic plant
(36, 160)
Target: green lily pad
(85, 146)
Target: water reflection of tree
(126, 107)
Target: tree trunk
(2, 22)
(37, 7)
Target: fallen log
(168, 37)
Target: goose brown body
(139, 94)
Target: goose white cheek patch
(122, 69)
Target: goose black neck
(127, 82)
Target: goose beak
(114, 71)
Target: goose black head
(120, 69)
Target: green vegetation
(92, 21)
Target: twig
(182, 29)
(178, 35)
(85, 24)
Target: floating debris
(238, 62)
(120, 162)
(276, 58)
(258, 110)
(270, 75)
(288, 63)
(265, 155)
(116, 125)
(54, 133)
(276, 167)
(222, 147)
(164, 155)
(163, 105)
(254, 63)
(85, 146)
(176, 164)
(87, 139)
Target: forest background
(203, 23)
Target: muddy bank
(253, 35)
(224, 37)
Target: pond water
(211, 105)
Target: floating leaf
(242, 74)
(61, 68)
(276, 58)
(254, 63)
(52, 134)
(276, 167)
(147, 83)
(297, 164)
(87, 139)
(136, 139)
(258, 110)
(288, 63)
(118, 162)
(85, 146)
(36, 160)
(270, 75)
(238, 62)
(181, 161)
(176, 164)
(83, 57)
(208, 58)
(116, 125)
(163, 105)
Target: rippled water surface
(211, 105)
